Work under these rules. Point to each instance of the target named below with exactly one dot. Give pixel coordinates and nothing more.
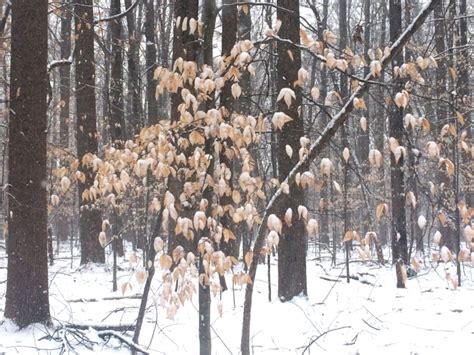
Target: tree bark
(65, 119)
(150, 59)
(65, 74)
(363, 140)
(117, 120)
(27, 284)
(229, 37)
(324, 195)
(86, 133)
(399, 232)
(292, 246)
(134, 117)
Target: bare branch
(118, 16)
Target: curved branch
(117, 16)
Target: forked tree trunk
(27, 284)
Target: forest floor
(369, 315)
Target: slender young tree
(325, 196)
(86, 130)
(27, 284)
(65, 119)
(399, 231)
(204, 292)
(292, 246)
(363, 140)
(117, 117)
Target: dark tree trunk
(65, 74)
(243, 106)
(440, 83)
(134, 118)
(292, 247)
(117, 120)
(465, 92)
(325, 197)
(204, 292)
(363, 140)
(229, 37)
(244, 32)
(90, 219)
(150, 58)
(399, 232)
(442, 116)
(345, 138)
(27, 284)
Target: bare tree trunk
(204, 293)
(65, 74)
(229, 38)
(134, 117)
(363, 140)
(292, 246)
(465, 91)
(399, 232)
(65, 119)
(345, 141)
(325, 196)
(27, 283)
(117, 120)
(150, 58)
(86, 133)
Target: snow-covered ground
(366, 316)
